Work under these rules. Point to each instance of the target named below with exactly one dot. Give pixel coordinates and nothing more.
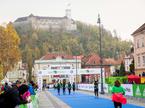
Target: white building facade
(17, 73)
(57, 69)
(128, 60)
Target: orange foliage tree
(9, 47)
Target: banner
(139, 90)
(143, 80)
(136, 90)
(90, 87)
(128, 89)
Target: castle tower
(68, 11)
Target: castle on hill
(65, 23)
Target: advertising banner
(139, 90)
(143, 80)
(128, 89)
(105, 88)
(40, 83)
(90, 87)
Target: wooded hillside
(83, 41)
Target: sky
(124, 16)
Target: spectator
(143, 74)
(12, 97)
(6, 87)
(31, 89)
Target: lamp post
(76, 73)
(101, 62)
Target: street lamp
(76, 73)
(101, 62)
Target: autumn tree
(9, 47)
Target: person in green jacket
(117, 88)
(58, 86)
(69, 87)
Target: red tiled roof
(111, 61)
(140, 29)
(54, 56)
(94, 59)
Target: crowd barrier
(135, 90)
(33, 104)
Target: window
(137, 43)
(143, 58)
(142, 42)
(138, 61)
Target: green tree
(131, 67)
(122, 70)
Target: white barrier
(90, 87)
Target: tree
(132, 68)
(9, 47)
(122, 70)
(1, 71)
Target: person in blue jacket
(31, 89)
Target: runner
(73, 87)
(69, 88)
(96, 88)
(58, 88)
(63, 87)
(118, 91)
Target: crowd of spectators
(15, 94)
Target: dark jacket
(11, 99)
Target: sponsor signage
(128, 89)
(69, 71)
(90, 87)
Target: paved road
(47, 100)
(83, 100)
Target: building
(139, 49)
(127, 61)
(19, 72)
(58, 64)
(93, 61)
(65, 23)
